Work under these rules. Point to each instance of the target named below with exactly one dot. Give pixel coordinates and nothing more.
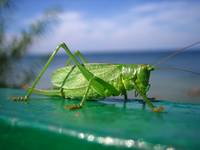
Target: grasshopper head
(137, 74)
(150, 67)
(142, 77)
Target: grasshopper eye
(150, 68)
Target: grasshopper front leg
(147, 101)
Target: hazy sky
(115, 25)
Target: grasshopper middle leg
(73, 107)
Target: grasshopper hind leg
(62, 45)
(19, 98)
(69, 61)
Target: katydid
(87, 81)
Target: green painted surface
(44, 123)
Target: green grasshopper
(87, 81)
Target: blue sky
(114, 25)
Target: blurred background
(104, 31)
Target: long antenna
(179, 69)
(175, 53)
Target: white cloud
(147, 26)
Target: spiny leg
(82, 58)
(63, 83)
(148, 102)
(125, 98)
(144, 97)
(143, 102)
(73, 107)
(78, 55)
(29, 91)
(69, 61)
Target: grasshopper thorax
(137, 76)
